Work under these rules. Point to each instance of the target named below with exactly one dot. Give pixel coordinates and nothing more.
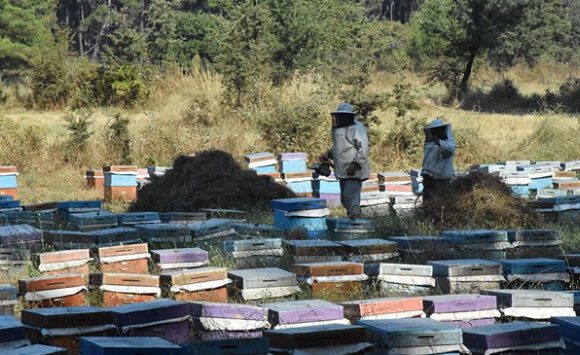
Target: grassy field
(186, 114)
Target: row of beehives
(380, 190)
(496, 321)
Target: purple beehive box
(306, 311)
(163, 318)
(19, 234)
(178, 256)
(293, 156)
(458, 303)
(505, 335)
(227, 311)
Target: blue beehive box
(315, 227)
(79, 206)
(293, 166)
(92, 220)
(306, 214)
(569, 330)
(267, 169)
(114, 179)
(476, 236)
(347, 228)
(134, 218)
(258, 230)
(298, 204)
(128, 346)
(11, 330)
(36, 349)
(300, 187)
(543, 181)
(533, 266)
(229, 347)
(517, 269)
(8, 182)
(520, 190)
(10, 205)
(174, 233)
(414, 336)
(328, 186)
(34, 218)
(203, 229)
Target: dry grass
(187, 113)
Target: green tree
(247, 51)
(24, 26)
(456, 32)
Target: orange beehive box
(131, 259)
(121, 168)
(381, 306)
(70, 261)
(173, 279)
(119, 289)
(62, 290)
(120, 193)
(7, 169)
(10, 192)
(397, 188)
(95, 179)
(568, 184)
(564, 174)
(219, 295)
(347, 277)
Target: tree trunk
(80, 32)
(467, 73)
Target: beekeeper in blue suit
(350, 153)
(438, 154)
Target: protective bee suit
(438, 155)
(350, 153)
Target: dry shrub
(210, 179)
(480, 200)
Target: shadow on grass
(505, 98)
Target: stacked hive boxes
(262, 163)
(120, 183)
(327, 188)
(297, 177)
(8, 183)
(305, 214)
(95, 180)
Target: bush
(570, 93)
(298, 127)
(79, 129)
(25, 147)
(505, 91)
(125, 85)
(118, 140)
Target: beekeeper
(438, 153)
(350, 154)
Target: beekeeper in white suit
(350, 153)
(438, 154)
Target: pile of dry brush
(479, 200)
(210, 179)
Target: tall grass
(188, 112)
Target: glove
(352, 168)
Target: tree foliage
(454, 33)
